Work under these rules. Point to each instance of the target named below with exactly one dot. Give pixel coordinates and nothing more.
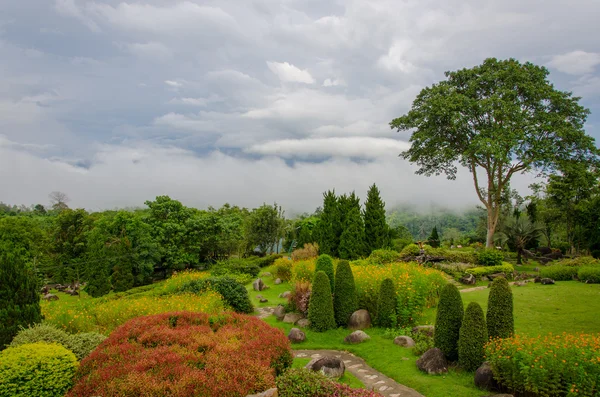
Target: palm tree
(519, 231)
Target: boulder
(50, 297)
(331, 367)
(303, 323)
(424, 329)
(537, 279)
(296, 335)
(546, 281)
(268, 393)
(73, 293)
(291, 318)
(279, 312)
(360, 319)
(258, 285)
(259, 296)
(45, 290)
(484, 377)
(285, 294)
(404, 341)
(277, 281)
(468, 279)
(263, 300)
(357, 337)
(433, 362)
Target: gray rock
(263, 300)
(520, 283)
(268, 393)
(291, 318)
(536, 269)
(277, 281)
(296, 335)
(424, 329)
(285, 294)
(484, 377)
(50, 297)
(433, 362)
(360, 319)
(279, 312)
(331, 367)
(267, 274)
(494, 276)
(537, 279)
(303, 323)
(404, 341)
(258, 285)
(468, 279)
(357, 337)
(547, 281)
(259, 296)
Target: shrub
(301, 382)
(304, 270)
(307, 252)
(300, 296)
(268, 260)
(559, 272)
(579, 261)
(458, 256)
(320, 307)
(410, 250)
(236, 266)
(85, 343)
(233, 293)
(283, 269)
(36, 369)
(448, 320)
(184, 354)
(386, 304)
(344, 299)
(490, 257)
(479, 272)
(473, 336)
(398, 244)
(382, 256)
(325, 264)
(500, 320)
(554, 365)
(590, 274)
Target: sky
(246, 102)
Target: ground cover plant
(186, 354)
(300, 382)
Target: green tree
(386, 304)
(352, 239)
(320, 305)
(434, 238)
(519, 232)
(472, 338)
(19, 296)
(329, 227)
(344, 299)
(448, 320)
(377, 231)
(500, 319)
(496, 119)
(325, 264)
(265, 227)
(69, 244)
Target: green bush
(490, 257)
(410, 250)
(499, 318)
(579, 261)
(37, 369)
(398, 244)
(505, 268)
(303, 271)
(320, 306)
(344, 300)
(267, 260)
(301, 382)
(456, 256)
(233, 293)
(283, 269)
(382, 256)
(236, 266)
(386, 304)
(325, 264)
(448, 320)
(589, 273)
(559, 272)
(472, 338)
(85, 343)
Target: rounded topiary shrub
(473, 336)
(83, 344)
(325, 264)
(320, 306)
(344, 300)
(448, 320)
(386, 304)
(233, 293)
(490, 257)
(185, 354)
(500, 320)
(36, 369)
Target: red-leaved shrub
(185, 354)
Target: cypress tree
(329, 226)
(352, 240)
(376, 229)
(448, 320)
(500, 320)
(344, 299)
(320, 305)
(472, 337)
(434, 238)
(386, 304)
(325, 264)
(19, 296)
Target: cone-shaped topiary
(386, 304)
(325, 264)
(434, 238)
(473, 335)
(344, 300)
(500, 320)
(448, 320)
(320, 306)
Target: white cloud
(290, 73)
(333, 82)
(173, 83)
(576, 62)
(396, 58)
(201, 102)
(72, 9)
(149, 50)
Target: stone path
(372, 379)
(264, 312)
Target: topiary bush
(590, 274)
(36, 369)
(233, 293)
(559, 272)
(85, 343)
(382, 256)
(344, 300)
(325, 264)
(490, 257)
(505, 268)
(320, 306)
(472, 338)
(448, 320)
(500, 320)
(386, 304)
(410, 250)
(184, 354)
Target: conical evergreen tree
(329, 226)
(434, 238)
(500, 319)
(325, 264)
(352, 240)
(376, 228)
(344, 299)
(386, 304)
(448, 320)
(19, 296)
(473, 335)
(320, 306)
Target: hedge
(500, 319)
(505, 268)
(448, 320)
(344, 300)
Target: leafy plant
(490, 257)
(448, 321)
(283, 269)
(300, 297)
(472, 338)
(559, 272)
(500, 319)
(344, 302)
(320, 308)
(383, 256)
(505, 268)
(589, 273)
(308, 251)
(233, 293)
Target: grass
(347, 378)
(271, 294)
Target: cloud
(396, 58)
(333, 82)
(173, 83)
(290, 73)
(149, 50)
(576, 62)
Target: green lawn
(347, 378)
(272, 294)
